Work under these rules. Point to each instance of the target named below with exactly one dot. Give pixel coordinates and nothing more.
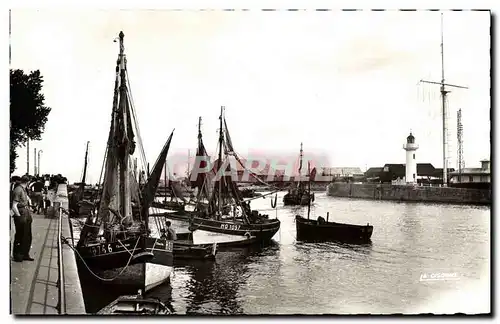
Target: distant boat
(249, 193)
(81, 197)
(320, 230)
(172, 205)
(299, 195)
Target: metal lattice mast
(460, 148)
(444, 92)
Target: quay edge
(75, 304)
(410, 193)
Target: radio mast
(460, 149)
(444, 92)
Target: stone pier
(34, 284)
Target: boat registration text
(107, 248)
(232, 227)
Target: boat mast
(189, 156)
(165, 181)
(125, 149)
(309, 189)
(82, 183)
(444, 92)
(85, 164)
(300, 165)
(220, 160)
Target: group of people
(36, 189)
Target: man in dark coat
(37, 195)
(22, 220)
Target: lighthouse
(411, 163)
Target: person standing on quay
(22, 220)
(37, 195)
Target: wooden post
(327, 216)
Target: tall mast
(220, 158)
(85, 164)
(309, 189)
(197, 149)
(300, 163)
(165, 180)
(444, 92)
(460, 149)
(189, 156)
(443, 100)
(34, 162)
(124, 161)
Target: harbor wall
(410, 193)
(72, 287)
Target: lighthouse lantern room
(411, 163)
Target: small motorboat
(135, 305)
(310, 230)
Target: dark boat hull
(309, 230)
(249, 193)
(294, 200)
(262, 232)
(150, 263)
(173, 205)
(184, 250)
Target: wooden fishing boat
(135, 305)
(298, 195)
(320, 230)
(310, 230)
(228, 219)
(118, 236)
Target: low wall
(410, 193)
(72, 287)
(318, 186)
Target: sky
(346, 84)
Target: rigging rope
(136, 120)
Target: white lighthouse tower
(411, 163)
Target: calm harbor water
(289, 277)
